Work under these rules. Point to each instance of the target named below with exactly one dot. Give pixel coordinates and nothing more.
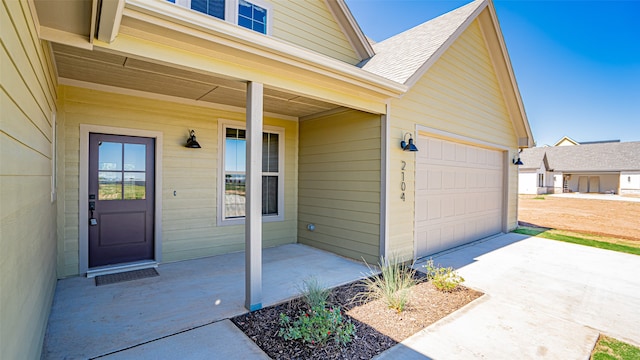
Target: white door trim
(445, 135)
(83, 193)
(428, 131)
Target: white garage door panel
(458, 194)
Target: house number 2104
(403, 185)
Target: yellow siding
(310, 24)
(339, 184)
(27, 214)
(459, 94)
(189, 224)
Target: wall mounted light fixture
(191, 142)
(408, 146)
(516, 159)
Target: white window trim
(231, 11)
(222, 125)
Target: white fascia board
(350, 28)
(260, 44)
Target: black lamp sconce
(516, 159)
(408, 146)
(191, 142)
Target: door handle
(92, 207)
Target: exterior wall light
(311, 227)
(408, 146)
(191, 142)
(516, 159)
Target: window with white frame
(540, 180)
(255, 15)
(252, 16)
(233, 169)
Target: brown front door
(121, 199)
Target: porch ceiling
(99, 67)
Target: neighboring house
(567, 141)
(611, 167)
(299, 121)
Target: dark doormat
(125, 276)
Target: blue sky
(577, 63)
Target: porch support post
(253, 212)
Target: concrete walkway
(544, 299)
(184, 312)
(592, 196)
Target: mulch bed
(377, 327)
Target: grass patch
(577, 239)
(539, 197)
(611, 349)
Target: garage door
(459, 190)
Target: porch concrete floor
(88, 321)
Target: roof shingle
(399, 57)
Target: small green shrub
(319, 324)
(393, 284)
(444, 279)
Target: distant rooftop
(601, 156)
(567, 141)
(599, 142)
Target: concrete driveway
(544, 299)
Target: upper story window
(255, 15)
(252, 16)
(209, 7)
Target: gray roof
(623, 156)
(401, 56)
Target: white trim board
(83, 191)
(429, 131)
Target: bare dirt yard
(598, 217)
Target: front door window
(121, 171)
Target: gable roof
(568, 139)
(573, 142)
(532, 158)
(406, 57)
(624, 156)
(400, 57)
